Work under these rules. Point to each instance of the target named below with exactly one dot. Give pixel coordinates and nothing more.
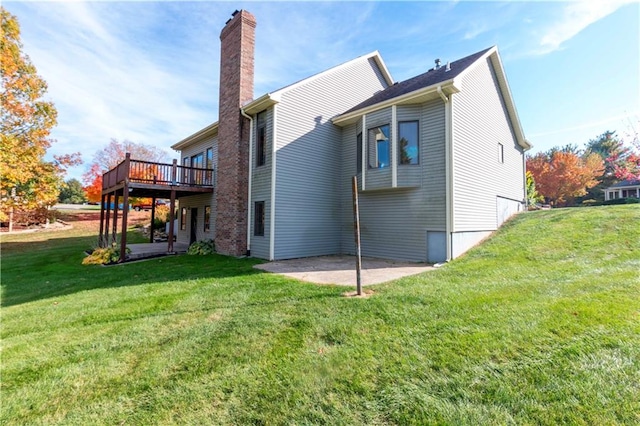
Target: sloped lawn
(539, 325)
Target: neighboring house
(439, 159)
(625, 189)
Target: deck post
(172, 209)
(101, 235)
(153, 217)
(114, 231)
(107, 221)
(125, 211)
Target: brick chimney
(236, 89)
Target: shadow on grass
(53, 267)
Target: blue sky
(148, 71)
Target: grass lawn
(539, 325)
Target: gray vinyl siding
(261, 189)
(394, 222)
(480, 122)
(198, 201)
(308, 164)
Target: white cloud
(575, 17)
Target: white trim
(375, 55)
(365, 141)
(448, 175)
(272, 219)
(210, 130)
(394, 146)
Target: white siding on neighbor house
(394, 222)
(261, 189)
(480, 123)
(201, 200)
(308, 162)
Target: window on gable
(261, 139)
(359, 153)
(501, 153)
(258, 219)
(207, 218)
(378, 147)
(408, 142)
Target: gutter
(244, 114)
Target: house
(439, 158)
(626, 189)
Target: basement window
(258, 219)
(183, 219)
(207, 218)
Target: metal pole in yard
(356, 230)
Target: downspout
(449, 172)
(272, 218)
(524, 168)
(244, 114)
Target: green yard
(539, 325)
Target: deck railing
(147, 172)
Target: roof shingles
(429, 78)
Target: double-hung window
(261, 139)
(197, 162)
(379, 147)
(408, 142)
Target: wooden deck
(137, 178)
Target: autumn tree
(561, 175)
(28, 183)
(110, 156)
(629, 169)
(533, 196)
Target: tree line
(569, 175)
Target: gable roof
(429, 78)
(439, 82)
(271, 98)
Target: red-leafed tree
(561, 175)
(93, 183)
(111, 156)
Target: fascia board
(508, 99)
(375, 55)
(210, 130)
(260, 104)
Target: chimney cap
(437, 63)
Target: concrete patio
(149, 250)
(341, 270)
